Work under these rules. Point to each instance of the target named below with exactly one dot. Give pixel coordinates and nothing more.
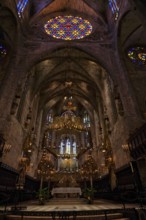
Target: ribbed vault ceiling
(68, 63)
(64, 61)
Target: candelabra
(125, 148)
(89, 169)
(68, 120)
(24, 161)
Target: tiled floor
(98, 205)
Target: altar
(66, 191)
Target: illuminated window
(74, 148)
(137, 55)
(21, 6)
(86, 119)
(68, 145)
(68, 27)
(49, 118)
(114, 8)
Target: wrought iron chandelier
(68, 120)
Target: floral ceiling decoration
(68, 27)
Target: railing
(127, 213)
(123, 198)
(137, 143)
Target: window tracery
(68, 27)
(137, 55)
(86, 120)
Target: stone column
(131, 109)
(132, 117)
(15, 73)
(96, 123)
(38, 127)
(109, 100)
(101, 116)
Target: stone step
(114, 216)
(66, 201)
(122, 219)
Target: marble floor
(69, 205)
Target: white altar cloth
(66, 190)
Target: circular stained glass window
(137, 55)
(68, 27)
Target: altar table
(66, 190)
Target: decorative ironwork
(25, 160)
(68, 120)
(89, 169)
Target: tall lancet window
(49, 118)
(86, 120)
(68, 146)
(74, 147)
(61, 147)
(114, 8)
(21, 6)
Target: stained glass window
(68, 146)
(3, 51)
(68, 27)
(86, 119)
(137, 55)
(21, 6)
(114, 8)
(74, 148)
(49, 118)
(61, 147)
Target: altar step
(67, 201)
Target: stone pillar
(38, 127)
(101, 116)
(15, 73)
(131, 109)
(109, 100)
(96, 126)
(132, 117)
(35, 107)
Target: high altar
(66, 191)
